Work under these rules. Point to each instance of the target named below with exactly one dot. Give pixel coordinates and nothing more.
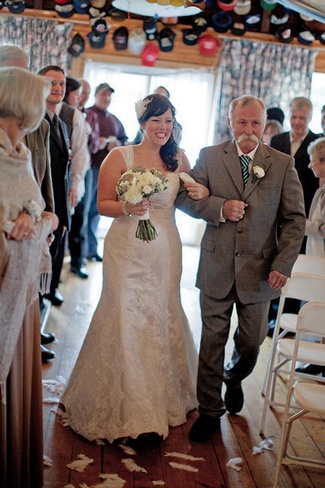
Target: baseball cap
(137, 41)
(103, 87)
(120, 38)
(227, 4)
(208, 45)
(243, 7)
(149, 55)
(81, 6)
(16, 7)
(66, 10)
(221, 21)
(98, 3)
(97, 39)
(77, 45)
(268, 4)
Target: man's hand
(234, 210)
(277, 280)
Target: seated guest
(25, 267)
(315, 224)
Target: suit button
(239, 231)
(237, 254)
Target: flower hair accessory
(141, 106)
(258, 172)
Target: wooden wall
(181, 56)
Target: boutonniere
(258, 172)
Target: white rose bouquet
(136, 184)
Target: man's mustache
(245, 137)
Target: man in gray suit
(255, 225)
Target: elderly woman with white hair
(24, 272)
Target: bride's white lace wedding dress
(136, 371)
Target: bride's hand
(197, 191)
(139, 208)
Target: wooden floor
(160, 461)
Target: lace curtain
(45, 41)
(273, 72)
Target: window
(192, 93)
(318, 99)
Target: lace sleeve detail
(128, 155)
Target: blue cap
(16, 7)
(221, 21)
(81, 6)
(96, 40)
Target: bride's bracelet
(124, 210)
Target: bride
(136, 371)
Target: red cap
(149, 55)
(227, 5)
(207, 45)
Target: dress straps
(128, 155)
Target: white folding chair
(309, 264)
(309, 397)
(301, 286)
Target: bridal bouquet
(139, 183)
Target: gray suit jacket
(268, 237)
(38, 144)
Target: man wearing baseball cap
(112, 134)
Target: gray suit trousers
(249, 335)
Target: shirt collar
(250, 154)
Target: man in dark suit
(255, 225)
(295, 142)
(59, 151)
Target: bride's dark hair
(155, 105)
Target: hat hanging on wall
(15, 7)
(243, 7)
(77, 45)
(137, 41)
(208, 45)
(149, 55)
(120, 38)
(81, 6)
(66, 10)
(166, 39)
(96, 40)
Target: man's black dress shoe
(47, 338)
(81, 272)
(234, 399)
(95, 257)
(204, 427)
(55, 298)
(47, 354)
(312, 369)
